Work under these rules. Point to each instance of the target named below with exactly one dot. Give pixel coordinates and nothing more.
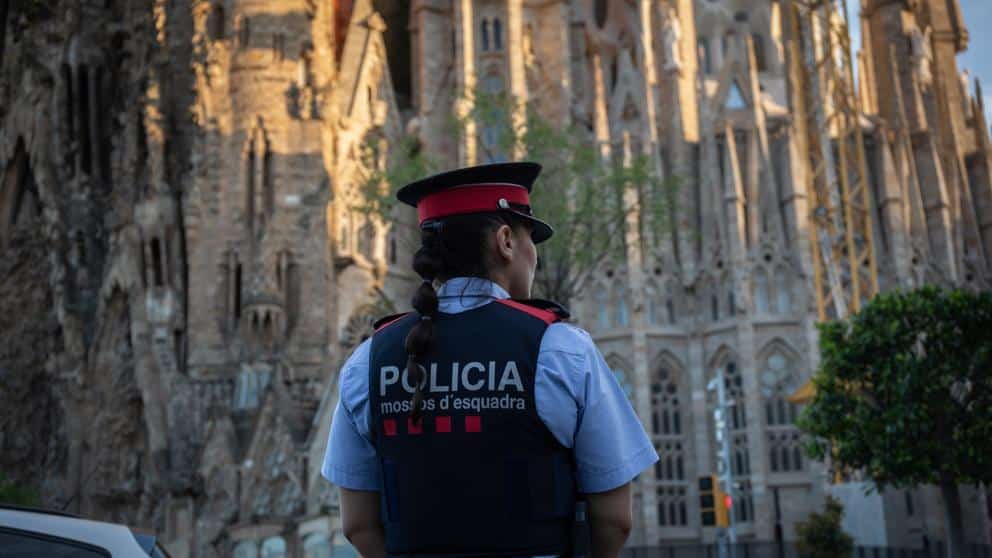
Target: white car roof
(113, 537)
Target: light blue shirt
(576, 394)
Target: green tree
(821, 536)
(904, 394)
(11, 493)
(587, 197)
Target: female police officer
(470, 426)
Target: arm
(581, 402)
(610, 521)
(360, 522)
(351, 462)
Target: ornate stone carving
(671, 34)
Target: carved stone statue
(671, 32)
(922, 55)
(965, 77)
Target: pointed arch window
(249, 387)
(760, 291)
(784, 443)
(216, 22)
(735, 98)
(235, 290)
(670, 440)
(244, 32)
(651, 293)
(158, 264)
(493, 122)
(497, 34)
(622, 372)
(258, 175)
(783, 295)
(601, 12)
(671, 506)
(666, 409)
(484, 35)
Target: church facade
(186, 238)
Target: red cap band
(471, 198)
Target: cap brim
(540, 230)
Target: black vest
(480, 474)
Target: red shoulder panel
(383, 323)
(546, 316)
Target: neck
(503, 280)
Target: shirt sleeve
(584, 406)
(350, 460)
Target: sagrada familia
(185, 262)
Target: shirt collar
(459, 294)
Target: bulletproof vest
(480, 474)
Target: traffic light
(707, 500)
(714, 504)
(723, 504)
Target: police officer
(470, 426)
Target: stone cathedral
(186, 263)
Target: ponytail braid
(427, 263)
(452, 248)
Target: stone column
(639, 357)
(464, 21)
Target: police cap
(478, 189)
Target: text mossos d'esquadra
(459, 387)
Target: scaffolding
(830, 128)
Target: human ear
(504, 242)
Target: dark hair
(452, 247)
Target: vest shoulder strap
(545, 310)
(383, 322)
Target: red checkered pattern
(442, 424)
(473, 423)
(414, 427)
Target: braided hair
(452, 247)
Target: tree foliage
(587, 196)
(904, 390)
(821, 535)
(904, 395)
(11, 493)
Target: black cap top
(497, 187)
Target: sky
(977, 59)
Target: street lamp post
(724, 467)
